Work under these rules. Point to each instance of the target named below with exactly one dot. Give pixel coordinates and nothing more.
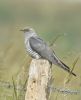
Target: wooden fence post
(38, 81)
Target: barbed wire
(53, 89)
(9, 85)
(65, 90)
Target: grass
(70, 75)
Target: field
(57, 22)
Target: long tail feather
(67, 68)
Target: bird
(39, 49)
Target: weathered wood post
(38, 81)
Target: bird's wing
(39, 46)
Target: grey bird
(37, 48)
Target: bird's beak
(21, 30)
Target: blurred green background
(50, 18)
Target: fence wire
(53, 89)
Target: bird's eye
(27, 30)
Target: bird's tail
(65, 67)
(59, 63)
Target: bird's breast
(30, 51)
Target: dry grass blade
(75, 62)
(53, 41)
(15, 92)
(25, 83)
(70, 75)
(56, 96)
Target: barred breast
(31, 52)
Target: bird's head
(27, 30)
